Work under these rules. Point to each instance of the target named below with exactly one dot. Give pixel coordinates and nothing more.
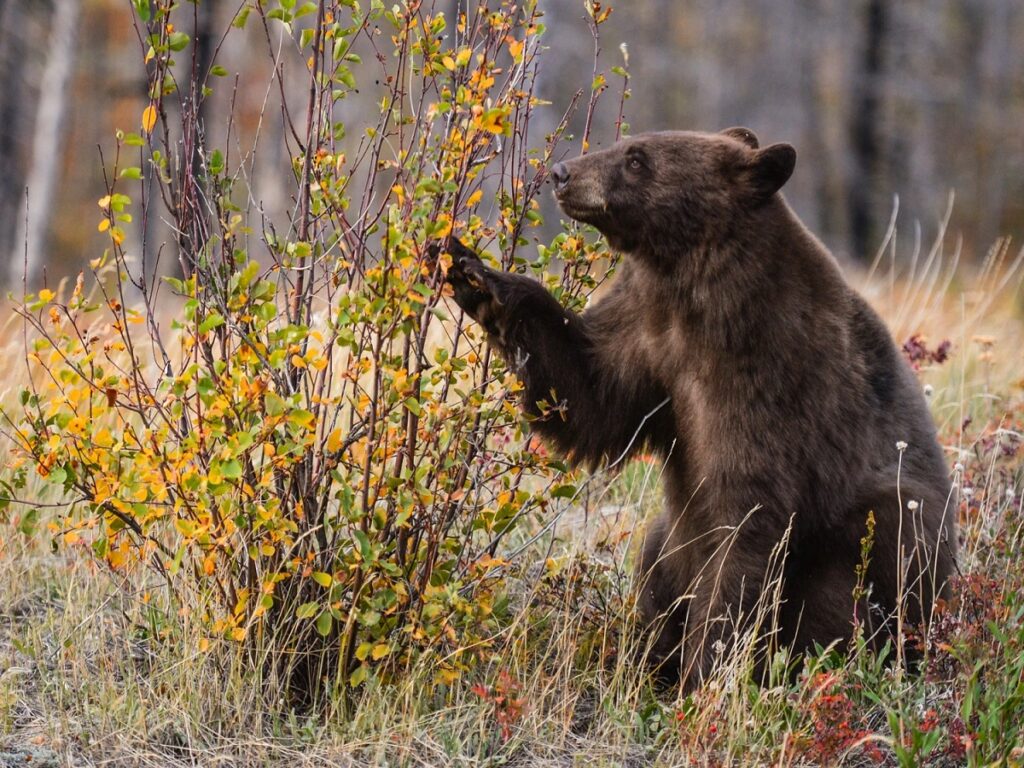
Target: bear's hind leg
(818, 602)
(662, 608)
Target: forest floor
(83, 682)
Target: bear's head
(673, 191)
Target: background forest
(916, 100)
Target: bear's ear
(769, 169)
(744, 135)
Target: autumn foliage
(298, 436)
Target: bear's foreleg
(587, 409)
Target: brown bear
(731, 345)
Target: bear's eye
(635, 164)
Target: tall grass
(89, 673)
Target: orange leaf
(148, 118)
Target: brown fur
(786, 396)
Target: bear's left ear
(769, 169)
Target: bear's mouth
(585, 211)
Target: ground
(90, 674)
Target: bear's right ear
(744, 135)
(769, 169)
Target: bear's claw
(467, 275)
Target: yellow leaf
(449, 63)
(516, 49)
(334, 441)
(117, 558)
(46, 295)
(474, 198)
(104, 202)
(380, 651)
(104, 225)
(445, 226)
(148, 118)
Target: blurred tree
(913, 99)
(868, 83)
(47, 140)
(15, 40)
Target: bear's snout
(579, 189)
(560, 175)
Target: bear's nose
(560, 173)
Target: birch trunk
(30, 244)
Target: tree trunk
(865, 136)
(31, 240)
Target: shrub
(318, 461)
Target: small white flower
(928, 390)
(1010, 493)
(968, 492)
(718, 647)
(958, 467)
(901, 445)
(912, 505)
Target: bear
(798, 447)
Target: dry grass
(92, 673)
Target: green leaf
(301, 418)
(564, 492)
(27, 524)
(231, 470)
(218, 71)
(323, 579)
(413, 405)
(364, 545)
(133, 172)
(178, 41)
(211, 322)
(142, 8)
(275, 403)
(307, 610)
(216, 161)
(323, 623)
(345, 75)
(358, 676)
